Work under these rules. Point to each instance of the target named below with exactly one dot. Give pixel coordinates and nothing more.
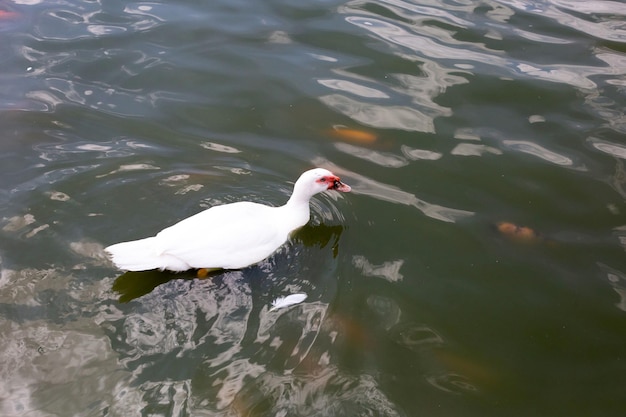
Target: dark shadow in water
(131, 285)
(319, 235)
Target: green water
(476, 269)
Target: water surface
(476, 269)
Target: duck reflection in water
(134, 284)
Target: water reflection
(601, 17)
(50, 346)
(104, 34)
(617, 279)
(81, 21)
(71, 148)
(471, 149)
(615, 149)
(388, 270)
(428, 41)
(539, 151)
(380, 116)
(388, 160)
(328, 392)
(353, 88)
(161, 349)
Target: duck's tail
(143, 255)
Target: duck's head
(319, 179)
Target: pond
(477, 268)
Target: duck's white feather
(282, 302)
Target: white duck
(230, 236)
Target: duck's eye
(323, 179)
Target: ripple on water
(614, 149)
(442, 46)
(386, 192)
(85, 20)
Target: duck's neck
(298, 207)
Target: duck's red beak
(337, 185)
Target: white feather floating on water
(282, 302)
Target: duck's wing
(229, 236)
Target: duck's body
(230, 236)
